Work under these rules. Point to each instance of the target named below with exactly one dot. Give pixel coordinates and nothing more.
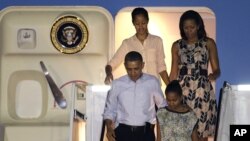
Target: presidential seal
(69, 34)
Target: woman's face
(141, 24)
(190, 29)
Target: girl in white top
(148, 45)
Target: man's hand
(110, 130)
(110, 134)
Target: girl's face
(174, 100)
(190, 29)
(141, 24)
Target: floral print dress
(197, 89)
(176, 126)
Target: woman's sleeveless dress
(197, 89)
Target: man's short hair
(133, 56)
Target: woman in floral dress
(190, 59)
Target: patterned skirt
(199, 95)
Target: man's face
(134, 69)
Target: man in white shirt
(131, 103)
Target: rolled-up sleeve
(111, 104)
(160, 101)
(161, 65)
(119, 56)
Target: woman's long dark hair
(192, 15)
